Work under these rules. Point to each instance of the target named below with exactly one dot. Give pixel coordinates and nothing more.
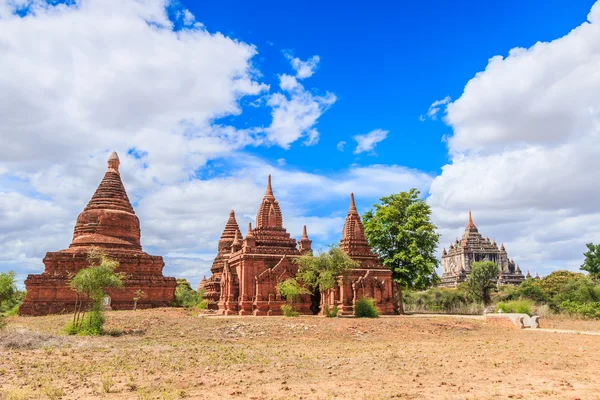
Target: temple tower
(109, 223)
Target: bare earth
(170, 354)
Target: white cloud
(304, 69)
(525, 151)
(341, 145)
(368, 141)
(295, 113)
(434, 108)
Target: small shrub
(91, 325)
(2, 322)
(289, 311)
(203, 305)
(330, 312)
(516, 306)
(107, 383)
(365, 308)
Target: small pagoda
(109, 223)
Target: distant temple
(458, 260)
(109, 223)
(246, 271)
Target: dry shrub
(29, 340)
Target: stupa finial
(113, 162)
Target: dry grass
(169, 354)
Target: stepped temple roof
(109, 219)
(354, 242)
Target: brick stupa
(109, 223)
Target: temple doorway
(315, 302)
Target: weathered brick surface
(108, 222)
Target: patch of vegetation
(187, 297)
(291, 290)
(482, 280)
(365, 308)
(289, 311)
(10, 297)
(91, 285)
(516, 306)
(330, 312)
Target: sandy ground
(171, 354)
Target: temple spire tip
(113, 161)
(269, 191)
(352, 203)
(304, 234)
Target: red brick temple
(109, 223)
(247, 270)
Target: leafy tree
(482, 280)
(7, 290)
(185, 296)
(321, 272)
(291, 290)
(7, 285)
(592, 260)
(91, 285)
(401, 233)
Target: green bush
(289, 311)
(187, 297)
(365, 308)
(516, 306)
(91, 325)
(438, 300)
(585, 310)
(203, 305)
(330, 312)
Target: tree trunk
(134, 304)
(398, 303)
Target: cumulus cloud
(341, 145)
(525, 151)
(296, 110)
(368, 141)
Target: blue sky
(492, 107)
(386, 62)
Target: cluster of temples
(108, 223)
(473, 247)
(246, 270)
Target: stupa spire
(114, 162)
(269, 213)
(304, 234)
(352, 208)
(269, 191)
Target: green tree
(185, 296)
(482, 280)
(321, 272)
(401, 233)
(91, 285)
(7, 285)
(7, 290)
(592, 260)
